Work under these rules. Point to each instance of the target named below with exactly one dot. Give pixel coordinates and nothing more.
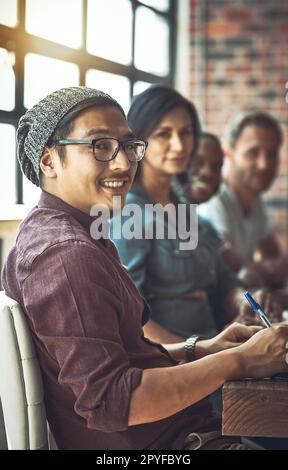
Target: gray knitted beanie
(38, 124)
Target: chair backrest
(3, 440)
(21, 388)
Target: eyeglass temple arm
(72, 141)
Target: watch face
(190, 342)
(190, 347)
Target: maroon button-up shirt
(86, 317)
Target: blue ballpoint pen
(257, 309)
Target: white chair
(3, 440)
(21, 387)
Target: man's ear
(228, 162)
(48, 163)
(228, 152)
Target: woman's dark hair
(150, 106)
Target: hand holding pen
(263, 316)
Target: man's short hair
(256, 118)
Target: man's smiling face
(81, 180)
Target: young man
(237, 211)
(102, 378)
(206, 168)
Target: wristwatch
(190, 347)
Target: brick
(269, 95)
(206, 42)
(238, 42)
(253, 55)
(243, 14)
(254, 82)
(220, 55)
(217, 3)
(215, 30)
(282, 27)
(255, 27)
(272, 14)
(222, 82)
(250, 2)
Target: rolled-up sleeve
(75, 306)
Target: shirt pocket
(194, 268)
(175, 267)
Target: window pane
(139, 87)
(7, 165)
(58, 21)
(44, 75)
(115, 85)
(109, 29)
(161, 5)
(149, 26)
(31, 193)
(7, 88)
(8, 12)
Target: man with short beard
(237, 211)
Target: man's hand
(259, 352)
(265, 353)
(268, 301)
(234, 335)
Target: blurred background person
(237, 211)
(206, 168)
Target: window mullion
(132, 79)
(81, 65)
(19, 90)
(172, 42)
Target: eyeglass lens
(105, 149)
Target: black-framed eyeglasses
(106, 149)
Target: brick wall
(239, 61)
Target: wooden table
(255, 408)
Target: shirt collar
(233, 197)
(50, 201)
